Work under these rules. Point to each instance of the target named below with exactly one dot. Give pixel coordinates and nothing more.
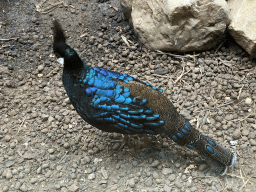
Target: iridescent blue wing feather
(115, 105)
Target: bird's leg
(124, 141)
(150, 143)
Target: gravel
(45, 145)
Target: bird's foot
(150, 143)
(124, 141)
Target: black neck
(72, 60)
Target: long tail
(217, 157)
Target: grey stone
(91, 176)
(131, 182)
(149, 182)
(177, 25)
(240, 28)
(167, 171)
(73, 188)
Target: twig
(19, 153)
(241, 174)
(178, 56)
(252, 73)
(125, 40)
(239, 94)
(223, 189)
(219, 46)
(223, 104)
(53, 71)
(243, 118)
(62, 157)
(10, 106)
(160, 75)
(205, 118)
(50, 8)
(180, 75)
(83, 35)
(240, 177)
(184, 82)
(131, 42)
(245, 183)
(113, 7)
(8, 39)
(197, 122)
(21, 125)
(194, 58)
(214, 107)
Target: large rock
(243, 24)
(180, 25)
(127, 9)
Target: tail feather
(207, 146)
(215, 166)
(217, 156)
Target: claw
(150, 143)
(124, 141)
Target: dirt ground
(46, 146)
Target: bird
(116, 102)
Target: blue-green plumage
(108, 105)
(116, 102)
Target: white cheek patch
(61, 60)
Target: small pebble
(24, 187)
(91, 176)
(104, 173)
(131, 183)
(155, 175)
(149, 182)
(172, 177)
(202, 167)
(38, 171)
(40, 68)
(45, 165)
(73, 188)
(51, 151)
(254, 148)
(45, 130)
(245, 132)
(66, 145)
(248, 101)
(7, 138)
(229, 117)
(161, 71)
(155, 163)
(253, 142)
(134, 163)
(178, 184)
(167, 188)
(233, 143)
(8, 175)
(167, 171)
(5, 188)
(13, 145)
(236, 134)
(17, 185)
(33, 180)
